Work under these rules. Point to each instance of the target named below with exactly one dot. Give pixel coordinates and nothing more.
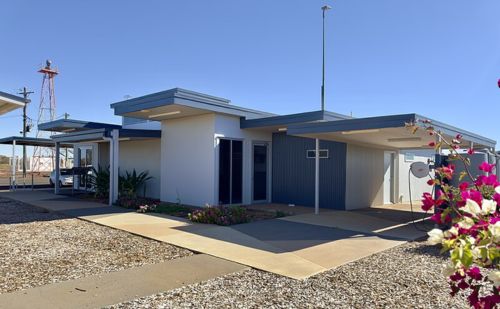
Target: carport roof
(385, 131)
(100, 134)
(73, 125)
(29, 141)
(9, 102)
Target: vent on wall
(323, 154)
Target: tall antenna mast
(43, 157)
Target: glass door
(230, 171)
(260, 172)
(85, 159)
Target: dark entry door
(260, 172)
(230, 171)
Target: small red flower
(470, 151)
(432, 144)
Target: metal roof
(30, 141)
(100, 134)
(73, 125)
(285, 120)
(10, 102)
(351, 129)
(184, 98)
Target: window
(323, 154)
(409, 157)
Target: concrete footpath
(297, 246)
(115, 287)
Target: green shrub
(130, 183)
(99, 181)
(220, 215)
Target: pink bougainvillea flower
(427, 201)
(486, 167)
(463, 186)
(430, 182)
(470, 151)
(471, 195)
(436, 218)
(458, 136)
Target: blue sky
(437, 58)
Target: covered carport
(25, 141)
(9, 102)
(110, 135)
(387, 133)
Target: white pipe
(316, 179)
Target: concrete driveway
(297, 246)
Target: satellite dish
(419, 169)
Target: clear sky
(437, 58)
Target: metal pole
(323, 68)
(25, 94)
(316, 179)
(324, 9)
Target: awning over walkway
(103, 133)
(9, 102)
(30, 141)
(385, 132)
(73, 125)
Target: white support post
(116, 158)
(316, 179)
(57, 169)
(111, 186)
(14, 163)
(114, 152)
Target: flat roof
(73, 125)
(385, 131)
(177, 103)
(10, 102)
(30, 141)
(274, 122)
(100, 134)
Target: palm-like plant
(130, 183)
(99, 181)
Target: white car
(65, 177)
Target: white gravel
(407, 276)
(39, 247)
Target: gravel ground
(39, 247)
(408, 276)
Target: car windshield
(66, 172)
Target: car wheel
(51, 183)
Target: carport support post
(113, 169)
(57, 169)
(14, 162)
(316, 179)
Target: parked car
(65, 177)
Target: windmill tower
(43, 157)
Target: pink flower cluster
(471, 212)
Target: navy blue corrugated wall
(293, 173)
